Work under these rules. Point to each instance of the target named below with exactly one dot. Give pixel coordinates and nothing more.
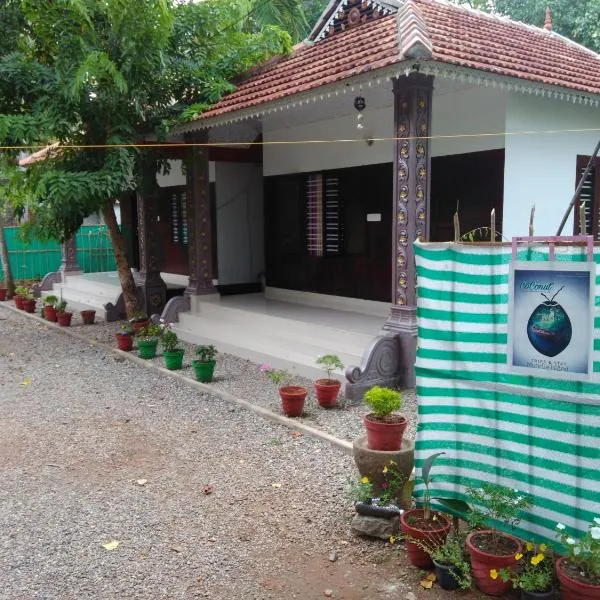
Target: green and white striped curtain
(538, 435)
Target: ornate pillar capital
(68, 263)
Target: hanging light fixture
(359, 105)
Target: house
(315, 175)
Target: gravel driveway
(204, 499)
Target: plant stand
(370, 463)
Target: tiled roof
(458, 36)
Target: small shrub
(61, 306)
(50, 300)
(280, 377)
(169, 340)
(383, 401)
(330, 363)
(206, 354)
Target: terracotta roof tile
(458, 35)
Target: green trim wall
(33, 259)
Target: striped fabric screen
(537, 435)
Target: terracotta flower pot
(19, 301)
(3, 292)
(204, 370)
(139, 325)
(327, 391)
(50, 313)
(88, 316)
(124, 341)
(433, 534)
(384, 436)
(292, 399)
(29, 306)
(573, 589)
(64, 318)
(483, 563)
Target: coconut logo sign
(551, 319)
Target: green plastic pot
(147, 348)
(204, 370)
(173, 359)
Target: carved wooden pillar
(389, 361)
(412, 162)
(150, 282)
(68, 253)
(199, 218)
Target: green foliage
(329, 363)
(383, 401)
(361, 490)
(126, 328)
(50, 300)
(206, 354)
(427, 479)
(534, 571)
(21, 291)
(169, 340)
(280, 377)
(151, 332)
(61, 306)
(492, 503)
(585, 552)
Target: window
(589, 199)
(179, 220)
(324, 222)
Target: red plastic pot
(384, 436)
(482, 563)
(19, 301)
(3, 292)
(88, 316)
(124, 341)
(139, 325)
(327, 391)
(292, 399)
(29, 306)
(571, 589)
(430, 537)
(64, 318)
(50, 313)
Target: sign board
(551, 319)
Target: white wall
(240, 223)
(540, 168)
(467, 111)
(174, 177)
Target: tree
(579, 21)
(88, 73)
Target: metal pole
(578, 190)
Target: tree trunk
(8, 278)
(120, 252)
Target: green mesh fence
(33, 259)
(538, 435)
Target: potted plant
(62, 316)
(491, 550)
(124, 337)
(423, 527)
(292, 396)
(20, 294)
(534, 573)
(579, 571)
(386, 503)
(29, 303)
(204, 364)
(172, 354)
(88, 316)
(148, 341)
(49, 308)
(139, 321)
(327, 389)
(384, 429)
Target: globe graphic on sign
(549, 328)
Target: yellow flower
(392, 462)
(434, 518)
(529, 546)
(364, 480)
(518, 556)
(543, 547)
(538, 558)
(385, 469)
(392, 539)
(494, 574)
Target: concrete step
(280, 352)
(82, 285)
(80, 300)
(288, 329)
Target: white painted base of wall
(355, 305)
